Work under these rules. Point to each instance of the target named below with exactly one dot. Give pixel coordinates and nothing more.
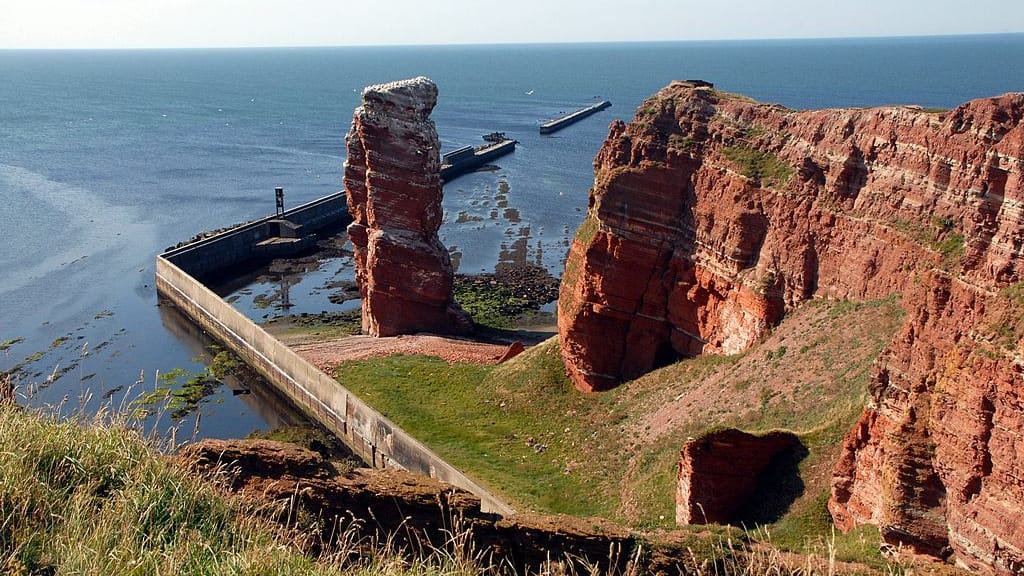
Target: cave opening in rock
(733, 477)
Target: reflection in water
(456, 256)
(273, 410)
(316, 283)
(515, 254)
(483, 198)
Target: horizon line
(514, 43)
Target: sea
(109, 157)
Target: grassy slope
(94, 498)
(523, 430)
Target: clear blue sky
(202, 23)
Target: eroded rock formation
(393, 184)
(417, 513)
(711, 215)
(721, 472)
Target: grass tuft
(95, 497)
(758, 165)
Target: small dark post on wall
(279, 196)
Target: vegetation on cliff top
(93, 497)
(523, 430)
(758, 165)
(96, 497)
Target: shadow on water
(253, 390)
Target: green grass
(952, 248)
(758, 165)
(514, 427)
(587, 230)
(526, 433)
(752, 132)
(939, 235)
(680, 142)
(1003, 320)
(92, 497)
(809, 529)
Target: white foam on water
(50, 227)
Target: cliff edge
(713, 215)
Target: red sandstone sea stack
(393, 183)
(712, 215)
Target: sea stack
(712, 215)
(393, 184)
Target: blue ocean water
(108, 157)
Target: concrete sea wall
(368, 433)
(238, 245)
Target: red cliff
(720, 473)
(712, 215)
(393, 184)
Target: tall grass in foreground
(93, 496)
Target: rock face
(415, 513)
(711, 215)
(720, 472)
(393, 184)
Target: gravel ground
(326, 354)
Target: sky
(244, 23)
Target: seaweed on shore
(501, 299)
(180, 391)
(6, 344)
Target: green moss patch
(6, 344)
(180, 391)
(507, 297)
(758, 165)
(323, 325)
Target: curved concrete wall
(367, 432)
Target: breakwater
(369, 434)
(559, 123)
(467, 159)
(260, 240)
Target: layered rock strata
(721, 473)
(393, 185)
(416, 513)
(711, 215)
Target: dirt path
(326, 354)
